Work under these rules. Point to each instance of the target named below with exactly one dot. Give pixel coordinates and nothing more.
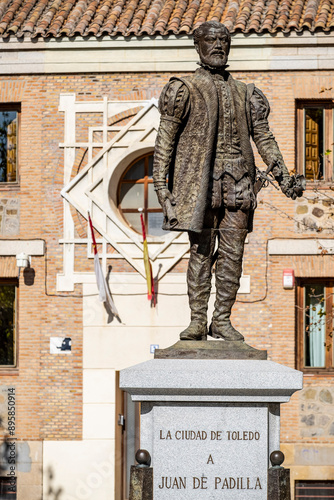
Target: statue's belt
(235, 167)
(231, 185)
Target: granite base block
(210, 380)
(210, 424)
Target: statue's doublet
(193, 127)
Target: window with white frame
(136, 191)
(8, 292)
(9, 126)
(315, 325)
(315, 139)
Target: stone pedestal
(279, 483)
(141, 483)
(210, 425)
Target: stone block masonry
(317, 412)
(9, 216)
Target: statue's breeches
(230, 229)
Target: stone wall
(317, 412)
(9, 216)
(315, 212)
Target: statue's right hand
(164, 195)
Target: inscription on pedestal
(210, 452)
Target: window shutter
(312, 490)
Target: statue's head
(212, 41)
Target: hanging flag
(104, 294)
(147, 264)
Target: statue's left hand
(293, 186)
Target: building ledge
(14, 247)
(302, 246)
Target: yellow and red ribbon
(147, 264)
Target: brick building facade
(86, 111)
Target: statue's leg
(232, 235)
(199, 283)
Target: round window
(136, 191)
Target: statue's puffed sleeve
(174, 107)
(264, 138)
(292, 186)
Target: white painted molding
(14, 247)
(300, 246)
(94, 188)
(251, 52)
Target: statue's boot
(195, 331)
(228, 273)
(199, 284)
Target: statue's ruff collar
(215, 71)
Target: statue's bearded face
(213, 47)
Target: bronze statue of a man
(204, 174)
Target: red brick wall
(50, 387)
